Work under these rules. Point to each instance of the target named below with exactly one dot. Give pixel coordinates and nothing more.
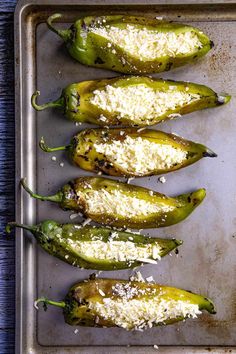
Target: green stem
(12, 224)
(46, 148)
(64, 34)
(46, 302)
(57, 198)
(57, 103)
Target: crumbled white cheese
(156, 347)
(150, 279)
(139, 102)
(162, 179)
(116, 202)
(73, 216)
(121, 251)
(102, 118)
(129, 180)
(142, 313)
(54, 158)
(137, 277)
(101, 292)
(76, 331)
(141, 156)
(174, 115)
(145, 260)
(125, 290)
(61, 164)
(147, 44)
(86, 222)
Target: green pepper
(101, 248)
(119, 204)
(131, 152)
(132, 44)
(132, 101)
(130, 305)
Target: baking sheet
(206, 261)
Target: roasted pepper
(131, 152)
(101, 248)
(132, 101)
(130, 305)
(119, 204)
(132, 44)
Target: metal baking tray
(206, 262)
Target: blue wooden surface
(7, 252)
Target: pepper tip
(209, 153)
(223, 98)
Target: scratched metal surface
(206, 262)
(7, 180)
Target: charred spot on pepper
(98, 60)
(212, 44)
(168, 66)
(84, 157)
(101, 163)
(73, 32)
(209, 153)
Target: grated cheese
(138, 102)
(140, 156)
(146, 44)
(162, 179)
(142, 313)
(121, 251)
(115, 202)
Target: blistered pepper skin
(77, 311)
(83, 153)
(95, 50)
(61, 240)
(170, 211)
(76, 99)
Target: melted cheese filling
(147, 44)
(120, 251)
(139, 102)
(140, 156)
(142, 313)
(114, 202)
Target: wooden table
(7, 172)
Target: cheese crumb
(73, 216)
(86, 222)
(150, 279)
(140, 102)
(162, 179)
(141, 156)
(101, 292)
(147, 44)
(54, 158)
(137, 277)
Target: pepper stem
(57, 103)
(57, 198)
(64, 34)
(12, 224)
(46, 302)
(46, 148)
